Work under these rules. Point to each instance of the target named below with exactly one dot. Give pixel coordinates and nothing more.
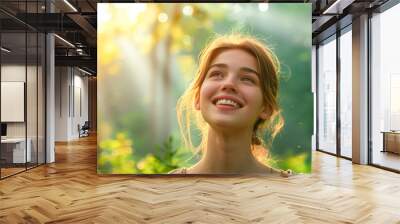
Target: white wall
(62, 81)
(71, 94)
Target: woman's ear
(264, 113)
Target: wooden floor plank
(70, 191)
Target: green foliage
(115, 156)
(168, 156)
(298, 163)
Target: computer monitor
(3, 129)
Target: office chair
(84, 130)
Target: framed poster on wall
(12, 101)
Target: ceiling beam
(86, 26)
(85, 61)
(337, 7)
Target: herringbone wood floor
(70, 191)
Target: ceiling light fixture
(84, 71)
(337, 7)
(5, 50)
(331, 7)
(64, 40)
(70, 5)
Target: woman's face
(231, 96)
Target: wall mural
(204, 88)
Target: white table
(19, 149)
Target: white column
(360, 90)
(50, 100)
(50, 92)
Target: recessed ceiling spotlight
(64, 40)
(84, 71)
(71, 6)
(5, 50)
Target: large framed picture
(200, 88)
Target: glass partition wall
(334, 93)
(326, 60)
(13, 110)
(22, 87)
(385, 89)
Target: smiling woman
(232, 101)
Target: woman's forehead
(234, 57)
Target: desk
(18, 149)
(391, 141)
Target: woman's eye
(216, 74)
(247, 79)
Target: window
(385, 89)
(327, 96)
(346, 92)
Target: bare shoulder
(178, 171)
(286, 173)
(283, 173)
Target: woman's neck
(227, 153)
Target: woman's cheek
(206, 92)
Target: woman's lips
(227, 100)
(224, 107)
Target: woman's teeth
(227, 102)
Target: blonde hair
(268, 66)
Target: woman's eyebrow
(220, 65)
(247, 69)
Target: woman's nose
(229, 84)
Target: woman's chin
(228, 123)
